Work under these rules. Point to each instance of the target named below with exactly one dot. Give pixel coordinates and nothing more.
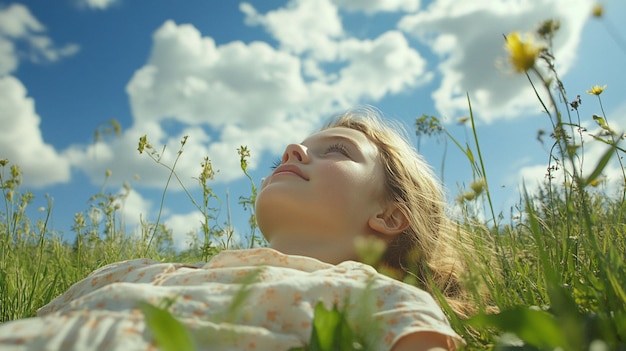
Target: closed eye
(338, 147)
(277, 162)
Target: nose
(296, 153)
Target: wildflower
(548, 28)
(576, 103)
(597, 11)
(207, 170)
(143, 143)
(244, 154)
(462, 120)
(4, 162)
(15, 171)
(107, 173)
(522, 53)
(79, 220)
(596, 90)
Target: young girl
(357, 179)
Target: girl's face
(322, 194)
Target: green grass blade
(534, 327)
(600, 166)
(169, 333)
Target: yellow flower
(596, 90)
(522, 53)
(598, 10)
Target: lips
(290, 169)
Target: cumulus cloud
(21, 140)
(121, 158)
(96, 4)
(385, 65)
(133, 207)
(303, 26)
(187, 77)
(135, 210)
(592, 150)
(185, 227)
(374, 6)
(468, 37)
(22, 36)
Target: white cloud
(373, 6)
(183, 226)
(21, 140)
(303, 26)
(535, 176)
(385, 65)
(96, 4)
(532, 177)
(16, 21)
(187, 227)
(18, 25)
(617, 118)
(468, 37)
(121, 157)
(133, 208)
(189, 78)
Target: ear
(389, 221)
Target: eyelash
(277, 162)
(341, 148)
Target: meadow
(552, 276)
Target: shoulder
(412, 318)
(423, 341)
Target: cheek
(350, 183)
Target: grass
(560, 281)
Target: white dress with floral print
(277, 297)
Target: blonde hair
(428, 248)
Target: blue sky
(268, 73)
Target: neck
(329, 252)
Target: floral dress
(256, 299)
